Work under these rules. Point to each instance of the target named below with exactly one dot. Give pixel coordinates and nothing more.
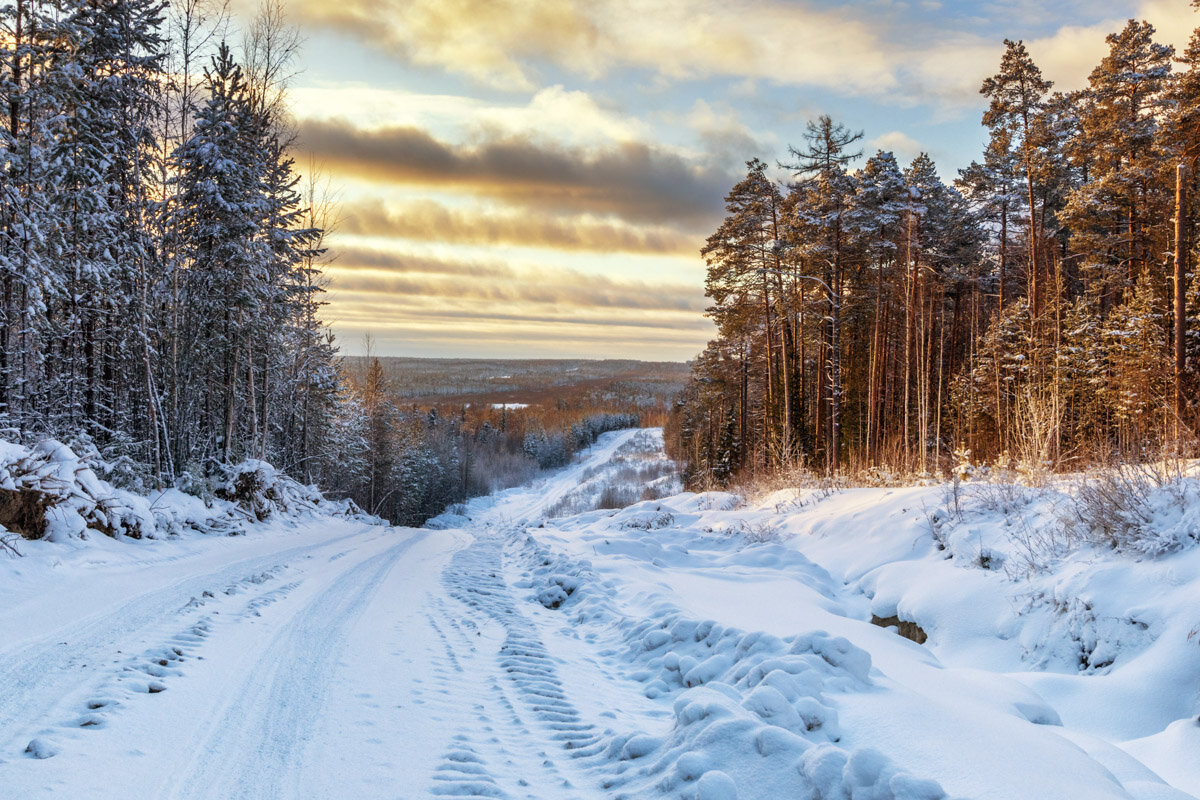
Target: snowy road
(632, 654)
(330, 660)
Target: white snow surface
(697, 647)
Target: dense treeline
(159, 285)
(1041, 309)
(409, 463)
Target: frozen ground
(689, 647)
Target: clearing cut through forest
(693, 646)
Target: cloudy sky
(534, 178)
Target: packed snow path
(675, 649)
(328, 659)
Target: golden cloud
(634, 181)
(422, 315)
(377, 275)
(496, 41)
(428, 220)
(385, 261)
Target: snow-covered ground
(694, 646)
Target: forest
(161, 281)
(1041, 310)
(159, 251)
(161, 266)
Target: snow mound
(49, 492)
(265, 492)
(753, 714)
(72, 498)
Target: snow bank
(48, 492)
(265, 492)
(1062, 656)
(753, 714)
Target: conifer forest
(1039, 309)
(350, 445)
(161, 257)
(158, 250)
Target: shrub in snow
(646, 518)
(1136, 509)
(964, 470)
(880, 475)
(262, 490)
(759, 531)
(616, 497)
(51, 492)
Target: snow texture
(698, 646)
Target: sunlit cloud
(352, 259)
(499, 42)
(568, 117)
(946, 73)
(569, 338)
(635, 181)
(419, 312)
(429, 220)
(885, 52)
(726, 138)
(432, 325)
(1069, 56)
(402, 275)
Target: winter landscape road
(677, 648)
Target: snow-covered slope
(688, 647)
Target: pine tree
(743, 281)
(992, 186)
(1117, 214)
(880, 217)
(820, 228)
(1016, 93)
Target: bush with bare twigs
(1144, 509)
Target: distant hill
(458, 381)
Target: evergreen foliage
(880, 319)
(159, 286)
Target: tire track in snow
(526, 709)
(41, 679)
(254, 747)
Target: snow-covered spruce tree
(249, 281)
(286, 355)
(81, 85)
(27, 278)
(102, 153)
(291, 375)
(213, 222)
